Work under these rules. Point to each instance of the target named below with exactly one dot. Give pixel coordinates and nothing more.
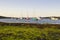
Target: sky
(29, 8)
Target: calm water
(30, 21)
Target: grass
(28, 33)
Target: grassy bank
(28, 33)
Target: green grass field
(28, 33)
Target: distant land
(7, 17)
(30, 17)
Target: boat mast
(27, 14)
(21, 13)
(34, 13)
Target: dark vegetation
(12, 31)
(30, 25)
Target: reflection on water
(49, 21)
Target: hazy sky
(24, 8)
